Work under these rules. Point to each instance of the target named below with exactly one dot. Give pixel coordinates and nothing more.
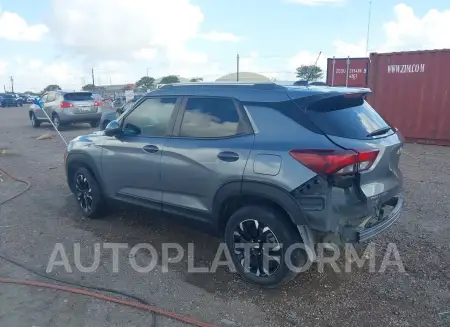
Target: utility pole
(93, 80)
(147, 71)
(4, 87)
(12, 84)
(237, 67)
(368, 27)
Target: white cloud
(318, 2)
(345, 49)
(139, 34)
(215, 36)
(146, 54)
(3, 65)
(35, 63)
(15, 28)
(307, 58)
(105, 29)
(409, 32)
(405, 32)
(34, 75)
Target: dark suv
(261, 163)
(10, 100)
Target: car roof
(249, 92)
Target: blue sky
(121, 39)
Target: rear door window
(350, 118)
(210, 117)
(78, 96)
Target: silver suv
(65, 108)
(274, 169)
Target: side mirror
(113, 128)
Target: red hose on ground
(112, 299)
(17, 180)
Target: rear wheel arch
(235, 195)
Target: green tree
(51, 87)
(170, 79)
(88, 87)
(145, 82)
(196, 79)
(313, 72)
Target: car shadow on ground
(134, 225)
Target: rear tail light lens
(98, 104)
(65, 104)
(366, 159)
(335, 162)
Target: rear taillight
(65, 104)
(366, 159)
(335, 162)
(98, 104)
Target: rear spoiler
(325, 93)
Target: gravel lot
(31, 225)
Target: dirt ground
(47, 214)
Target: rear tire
(95, 123)
(34, 121)
(270, 222)
(88, 193)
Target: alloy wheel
(83, 193)
(257, 248)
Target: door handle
(228, 156)
(150, 148)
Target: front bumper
(362, 234)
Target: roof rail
(259, 85)
(267, 85)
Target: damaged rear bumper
(362, 234)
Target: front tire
(34, 121)
(56, 121)
(271, 234)
(105, 123)
(88, 193)
(94, 123)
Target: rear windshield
(346, 117)
(78, 96)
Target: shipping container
(351, 72)
(411, 90)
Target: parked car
(29, 99)
(267, 166)
(19, 100)
(66, 107)
(9, 100)
(107, 117)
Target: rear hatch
(352, 124)
(81, 102)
